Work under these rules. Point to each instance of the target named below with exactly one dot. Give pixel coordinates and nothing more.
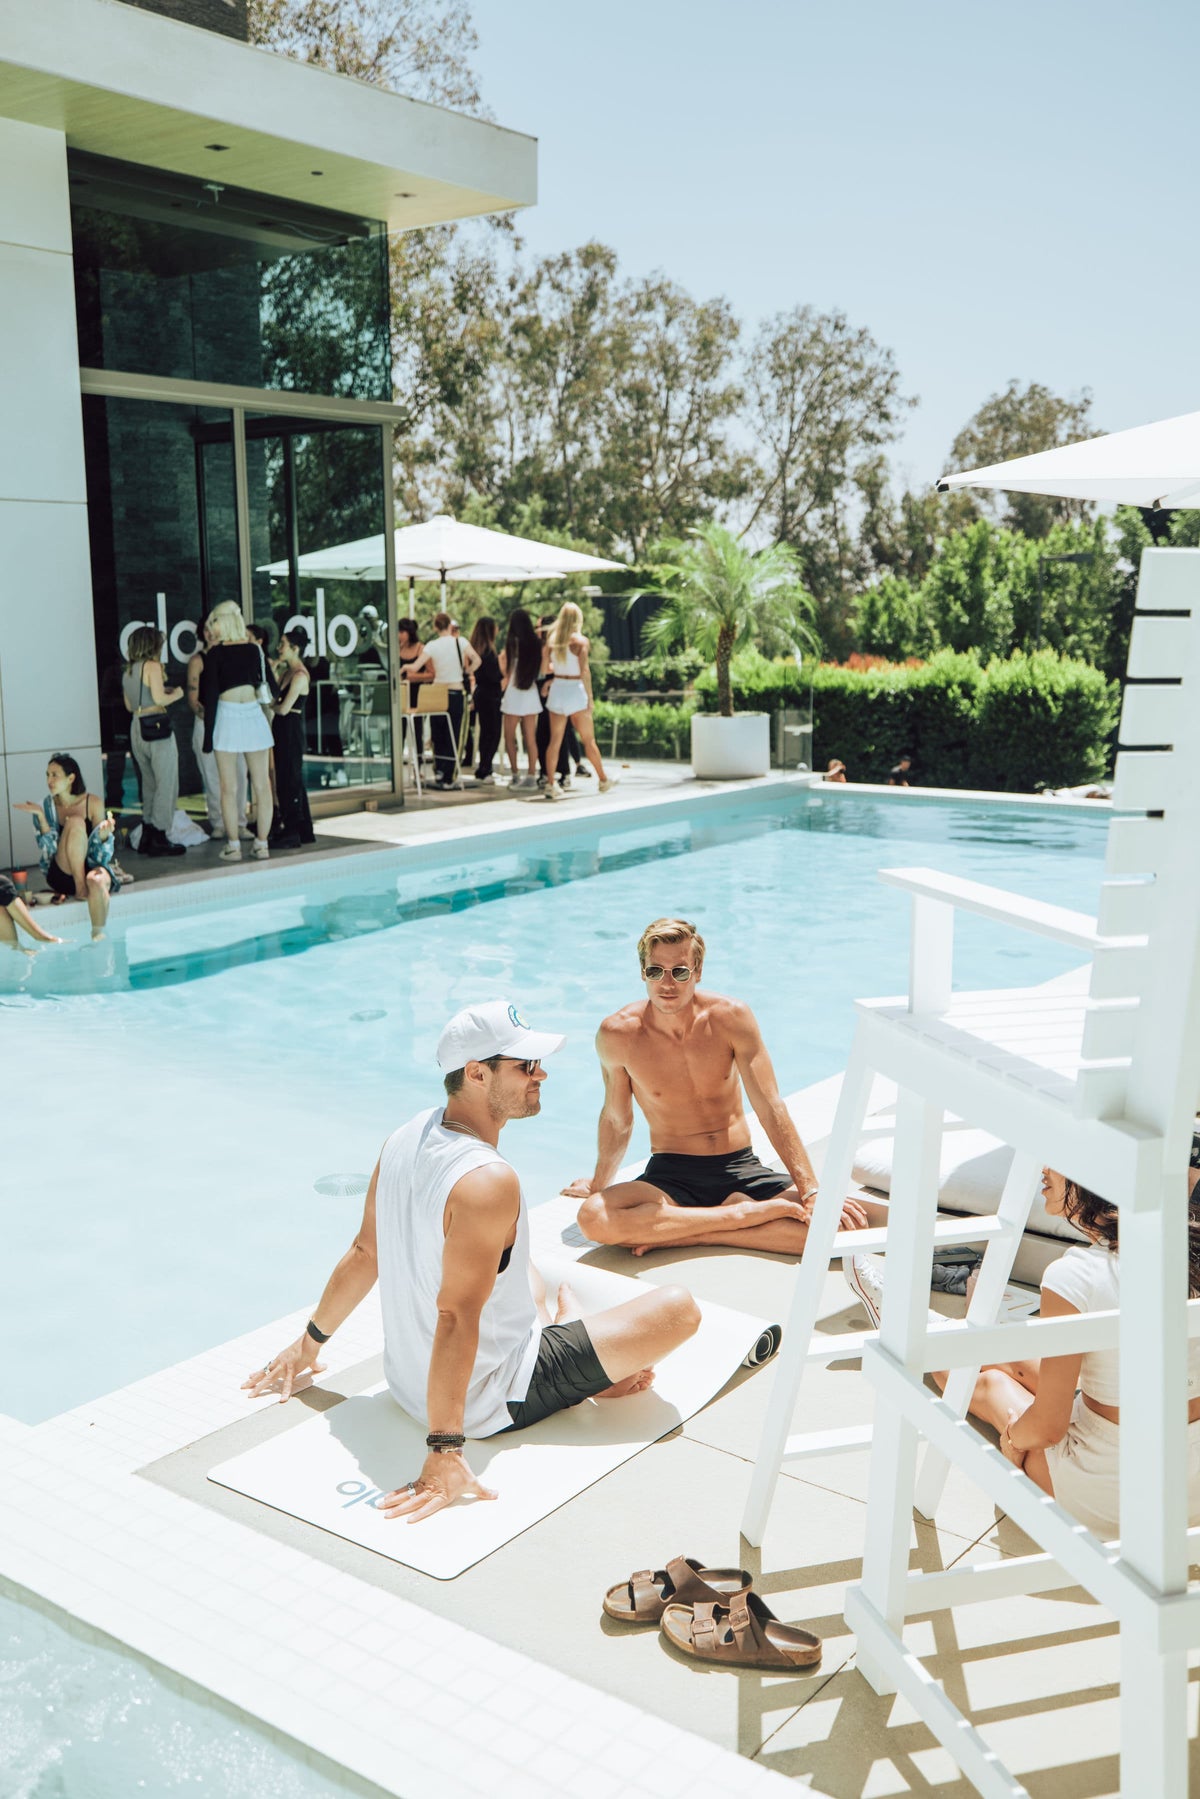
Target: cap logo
(516, 1019)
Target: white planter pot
(730, 749)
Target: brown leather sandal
(743, 1633)
(641, 1598)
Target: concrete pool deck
(507, 1680)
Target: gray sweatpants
(207, 765)
(159, 765)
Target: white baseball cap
(495, 1028)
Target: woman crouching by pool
(1059, 1418)
(76, 840)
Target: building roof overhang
(130, 84)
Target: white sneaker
(554, 793)
(607, 786)
(864, 1277)
(231, 853)
(245, 834)
(484, 781)
(261, 850)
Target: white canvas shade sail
(443, 549)
(1151, 465)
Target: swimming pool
(82, 1719)
(208, 1066)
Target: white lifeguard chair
(1101, 1084)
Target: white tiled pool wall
(477, 839)
(473, 840)
(400, 1698)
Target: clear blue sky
(993, 190)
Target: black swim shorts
(566, 1372)
(709, 1180)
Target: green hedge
(657, 729)
(1040, 720)
(656, 673)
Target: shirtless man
(685, 1055)
(469, 1347)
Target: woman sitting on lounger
(1058, 1419)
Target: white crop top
(1088, 1277)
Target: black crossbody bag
(156, 725)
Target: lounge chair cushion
(973, 1171)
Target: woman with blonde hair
(234, 685)
(565, 659)
(152, 739)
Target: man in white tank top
(469, 1346)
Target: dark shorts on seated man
(709, 1180)
(566, 1372)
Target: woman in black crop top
(234, 723)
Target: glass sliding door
(162, 518)
(316, 533)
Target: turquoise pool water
(79, 1719)
(178, 1091)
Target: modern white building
(195, 360)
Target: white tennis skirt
(520, 702)
(567, 696)
(241, 726)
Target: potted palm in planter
(718, 596)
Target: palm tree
(719, 596)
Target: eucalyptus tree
(422, 48)
(1021, 422)
(670, 455)
(824, 398)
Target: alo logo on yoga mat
(361, 1491)
(516, 1018)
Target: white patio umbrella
(444, 549)
(1152, 465)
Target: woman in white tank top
(565, 659)
(1059, 1419)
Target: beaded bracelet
(443, 1442)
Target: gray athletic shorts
(566, 1372)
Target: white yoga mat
(332, 1470)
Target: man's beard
(498, 1115)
